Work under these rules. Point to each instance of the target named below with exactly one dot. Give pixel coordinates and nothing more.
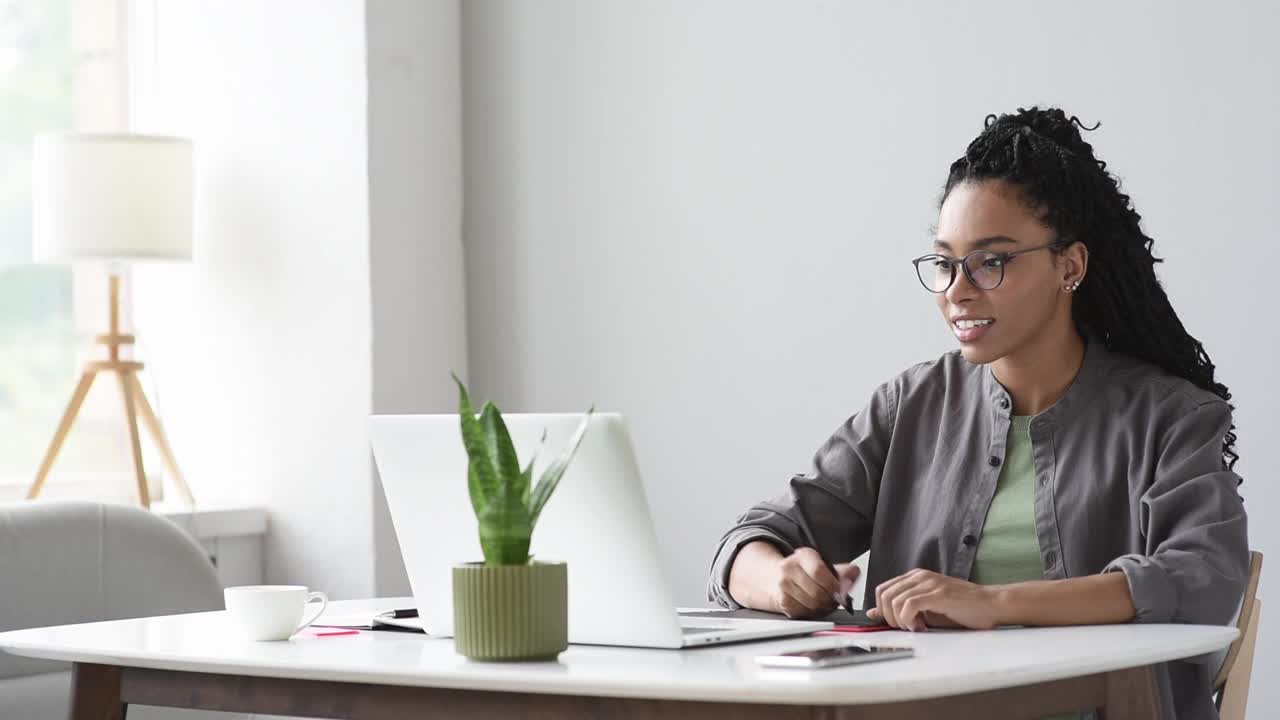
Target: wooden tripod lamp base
(135, 407)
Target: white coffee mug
(271, 612)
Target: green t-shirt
(1009, 550)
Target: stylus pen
(842, 601)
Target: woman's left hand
(921, 599)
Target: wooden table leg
(95, 693)
(1132, 693)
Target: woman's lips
(971, 334)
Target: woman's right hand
(799, 585)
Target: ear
(1073, 264)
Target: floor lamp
(112, 199)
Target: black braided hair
(1121, 301)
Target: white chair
(75, 562)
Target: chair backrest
(1244, 622)
(76, 562)
(1233, 699)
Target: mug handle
(324, 603)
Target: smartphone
(834, 656)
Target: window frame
(101, 94)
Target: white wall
(701, 213)
(415, 206)
(261, 347)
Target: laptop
(597, 521)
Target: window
(62, 66)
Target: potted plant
(509, 607)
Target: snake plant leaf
(482, 481)
(551, 476)
(506, 507)
(502, 454)
(478, 500)
(505, 528)
(526, 476)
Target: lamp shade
(111, 197)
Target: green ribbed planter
(511, 612)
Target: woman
(1070, 464)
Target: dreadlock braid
(1121, 300)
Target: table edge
(779, 694)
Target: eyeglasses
(984, 268)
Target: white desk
(197, 661)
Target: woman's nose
(961, 288)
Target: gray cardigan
(1129, 478)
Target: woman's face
(1029, 305)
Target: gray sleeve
(1196, 562)
(830, 509)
